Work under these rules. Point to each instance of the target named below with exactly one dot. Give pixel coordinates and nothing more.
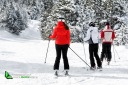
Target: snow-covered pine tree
(47, 22)
(34, 12)
(78, 14)
(14, 20)
(85, 16)
(3, 6)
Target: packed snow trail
(26, 57)
(23, 58)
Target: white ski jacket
(93, 33)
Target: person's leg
(58, 57)
(96, 55)
(109, 52)
(65, 59)
(92, 62)
(103, 52)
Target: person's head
(108, 25)
(92, 24)
(61, 23)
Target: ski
(57, 76)
(98, 69)
(68, 76)
(61, 75)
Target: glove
(68, 45)
(49, 35)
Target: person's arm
(68, 37)
(113, 35)
(102, 34)
(54, 34)
(87, 36)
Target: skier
(61, 34)
(93, 39)
(107, 36)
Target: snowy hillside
(32, 32)
(25, 57)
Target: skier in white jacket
(93, 39)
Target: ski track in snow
(21, 57)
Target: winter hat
(107, 23)
(92, 24)
(61, 19)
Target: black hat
(61, 18)
(92, 24)
(107, 23)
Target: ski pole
(116, 52)
(84, 47)
(48, 47)
(99, 48)
(84, 52)
(47, 51)
(80, 57)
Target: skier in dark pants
(107, 36)
(93, 37)
(61, 34)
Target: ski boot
(108, 62)
(92, 68)
(56, 73)
(66, 73)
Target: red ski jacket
(107, 35)
(60, 34)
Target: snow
(32, 32)
(103, 21)
(123, 19)
(21, 56)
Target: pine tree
(77, 13)
(14, 21)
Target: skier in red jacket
(61, 34)
(107, 36)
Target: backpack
(90, 40)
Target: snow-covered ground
(25, 57)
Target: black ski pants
(93, 51)
(61, 49)
(106, 51)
